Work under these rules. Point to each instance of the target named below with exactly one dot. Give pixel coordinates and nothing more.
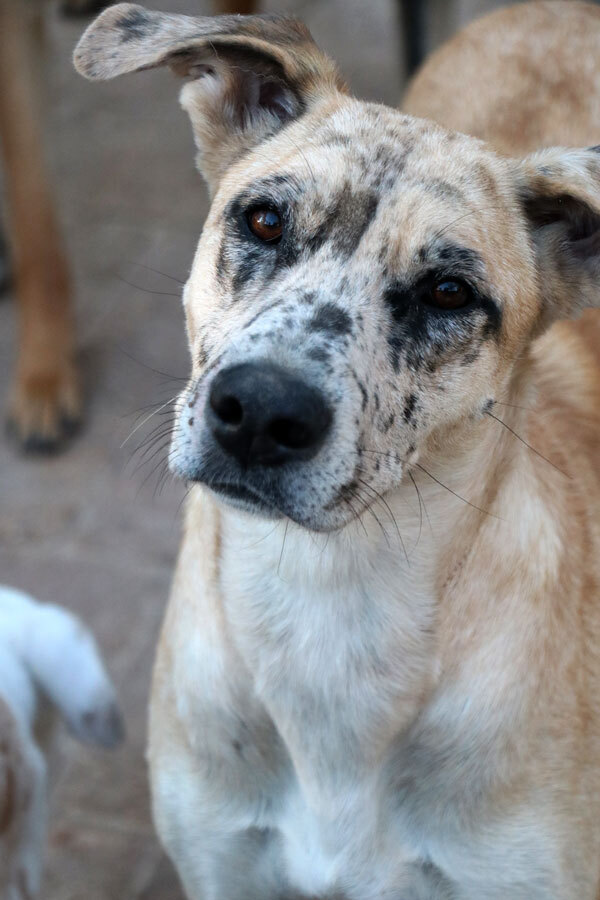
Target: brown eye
(266, 224)
(449, 295)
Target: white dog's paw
(102, 725)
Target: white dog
(46, 654)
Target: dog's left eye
(448, 295)
(266, 224)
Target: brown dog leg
(46, 402)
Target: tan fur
(46, 397)
(521, 78)
(408, 705)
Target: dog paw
(45, 410)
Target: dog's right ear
(250, 74)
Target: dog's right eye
(266, 224)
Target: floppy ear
(560, 192)
(250, 74)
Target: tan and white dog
(379, 675)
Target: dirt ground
(97, 527)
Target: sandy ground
(97, 528)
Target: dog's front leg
(214, 859)
(45, 402)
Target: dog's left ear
(249, 74)
(560, 192)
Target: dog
(48, 661)
(45, 404)
(379, 674)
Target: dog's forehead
(374, 166)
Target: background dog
(48, 661)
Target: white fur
(47, 653)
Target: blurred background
(96, 528)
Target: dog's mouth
(243, 497)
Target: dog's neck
(353, 622)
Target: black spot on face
(222, 267)
(388, 423)
(202, 356)
(319, 354)
(409, 407)
(471, 355)
(347, 491)
(345, 221)
(364, 394)
(331, 320)
(246, 267)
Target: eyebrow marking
(345, 221)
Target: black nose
(263, 414)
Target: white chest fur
(340, 661)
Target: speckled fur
(384, 681)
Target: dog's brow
(451, 259)
(276, 189)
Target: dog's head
(365, 280)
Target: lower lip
(238, 492)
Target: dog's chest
(340, 659)
(338, 653)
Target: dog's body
(409, 705)
(48, 661)
(522, 78)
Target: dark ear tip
(103, 35)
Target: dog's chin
(248, 500)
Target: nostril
(290, 433)
(228, 409)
